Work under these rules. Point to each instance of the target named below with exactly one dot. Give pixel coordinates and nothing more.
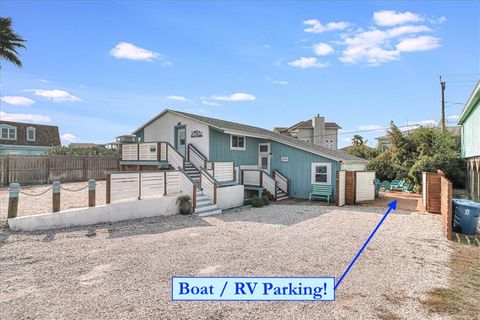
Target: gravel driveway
(123, 270)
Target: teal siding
(219, 149)
(23, 150)
(297, 169)
(471, 134)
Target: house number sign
(284, 159)
(196, 134)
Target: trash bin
(465, 218)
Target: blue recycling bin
(465, 218)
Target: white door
(182, 141)
(264, 156)
(365, 186)
(341, 188)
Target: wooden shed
(431, 191)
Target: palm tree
(10, 42)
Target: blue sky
(101, 69)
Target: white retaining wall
(136, 209)
(230, 197)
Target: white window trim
(329, 173)
(238, 148)
(34, 133)
(8, 132)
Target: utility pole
(443, 84)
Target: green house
(470, 122)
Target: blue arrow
(391, 206)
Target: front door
(181, 141)
(264, 157)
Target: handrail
(197, 152)
(278, 174)
(176, 151)
(208, 175)
(191, 180)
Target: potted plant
(185, 204)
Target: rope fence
(56, 187)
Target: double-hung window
(237, 142)
(9, 133)
(31, 134)
(321, 173)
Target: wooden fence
(446, 206)
(45, 169)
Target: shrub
(256, 202)
(265, 200)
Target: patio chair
(407, 187)
(386, 186)
(397, 187)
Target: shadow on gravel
(154, 225)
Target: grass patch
(461, 298)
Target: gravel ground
(123, 270)
(28, 205)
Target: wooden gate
(365, 186)
(341, 180)
(431, 189)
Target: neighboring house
(303, 163)
(27, 138)
(126, 138)
(387, 142)
(314, 130)
(470, 122)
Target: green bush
(256, 202)
(265, 200)
(247, 202)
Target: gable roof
(45, 135)
(243, 129)
(471, 104)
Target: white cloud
(125, 50)
(239, 96)
(195, 110)
(316, 26)
(279, 82)
(392, 18)
(370, 127)
(178, 98)
(422, 43)
(56, 95)
(17, 100)
(377, 46)
(322, 49)
(453, 117)
(415, 124)
(310, 62)
(24, 117)
(210, 103)
(439, 20)
(68, 137)
(43, 80)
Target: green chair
(321, 191)
(386, 186)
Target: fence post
(7, 171)
(91, 192)
(164, 183)
(56, 196)
(215, 194)
(14, 190)
(108, 182)
(139, 186)
(194, 200)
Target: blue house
(256, 156)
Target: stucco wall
(163, 129)
(106, 213)
(230, 197)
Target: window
(237, 142)
(9, 133)
(321, 173)
(30, 134)
(264, 148)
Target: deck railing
(128, 185)
(196, 157)
(281, 180)
(209, 185)
(259, 178)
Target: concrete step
(208, 213)
(282, 198)
(202, 198)
(207, 207)
(203, 202)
